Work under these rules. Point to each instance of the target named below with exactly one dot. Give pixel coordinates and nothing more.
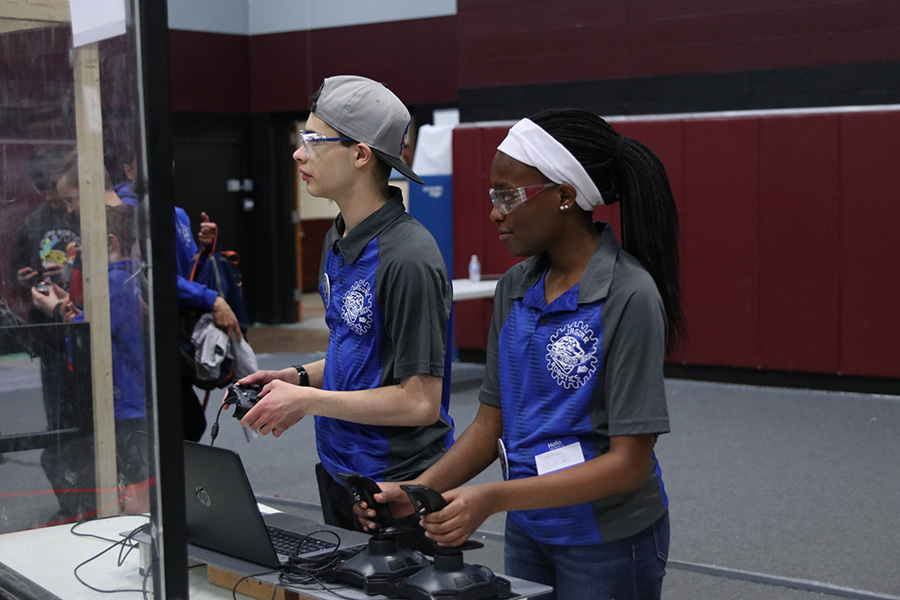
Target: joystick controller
(382, 561)
(366, 489)
(243, 397)
(448, 578)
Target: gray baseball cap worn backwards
(368, 112)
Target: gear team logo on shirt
(356, 308)
(571, 354)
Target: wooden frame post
(94, 256)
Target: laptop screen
(221, 510)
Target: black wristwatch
(304, 376)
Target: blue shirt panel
(127, 340)
(190, 293)
(126, 194)
(127, 332)
(551, 360)
(353, 361)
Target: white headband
(531, 145)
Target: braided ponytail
(626, 170)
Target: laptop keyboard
(294, 544)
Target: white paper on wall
(95, 20)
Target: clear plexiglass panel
(74, 302)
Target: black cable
(214, 432)
(322, 586)
(246, 577)
(307, 573)
(77, 524)
(124, 543)
(147, 572)
(301, 572)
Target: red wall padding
(789, 254)
(472, 227)
(869, 243)
(719, 215)
(799, 228)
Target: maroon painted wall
(785, 233)
(788, 249)
(416, 59)
(506, 42)
(521, 42)
(209, 72)
(279, 72)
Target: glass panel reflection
(74, 302)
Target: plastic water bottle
(474, 269)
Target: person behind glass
(49, 237)
(378, 396)
(126, 335)
(120, 159)
(68, 188)
(573, 385)
(69, 191)
(196, 296)
(46, 249)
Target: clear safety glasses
(311, 141)
(508, 200)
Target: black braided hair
(626, 171)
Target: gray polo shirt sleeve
(490, 384)
(415, 296)
(634, 350)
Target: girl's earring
(564, 207)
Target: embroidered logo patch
(356, 308)
(571, 355)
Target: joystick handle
(425, 499)
(366, 488)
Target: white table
(48, 557)
(463, 289)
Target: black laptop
(223, 515)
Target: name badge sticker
(557, 455)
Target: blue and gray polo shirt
(387, 299)
(587, 367)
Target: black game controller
(243, 397)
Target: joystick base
(471, 582)
(377, 566)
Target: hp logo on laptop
(203, 496)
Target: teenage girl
(573, 397)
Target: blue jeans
(628, 569)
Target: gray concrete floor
(774, 493)
(780, 494)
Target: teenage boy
(378, 396)
(70, 468)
